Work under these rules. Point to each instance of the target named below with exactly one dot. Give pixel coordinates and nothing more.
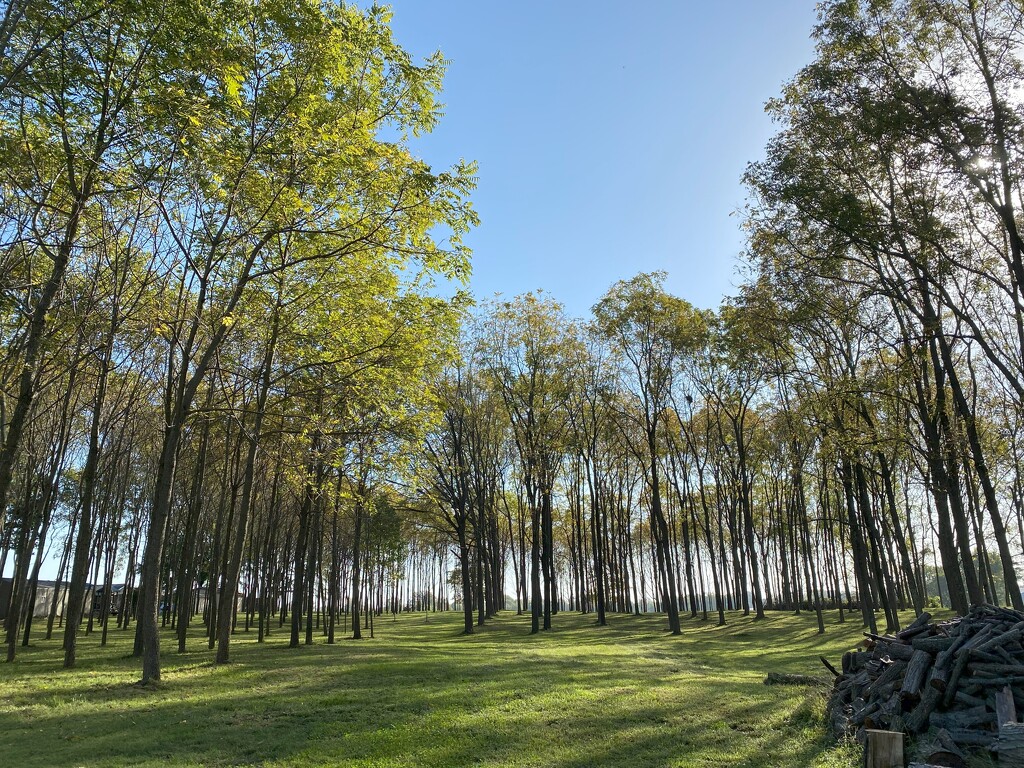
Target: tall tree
(652, 330)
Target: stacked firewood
(962, 678)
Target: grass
(420, 694)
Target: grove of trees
(235, 377)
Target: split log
(884, 749)
(1010, 744)
(1006, 711)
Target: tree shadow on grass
(419, 695)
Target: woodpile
(957, 685)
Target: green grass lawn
(420, 694)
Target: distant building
(116, 599)
(45, 594)
(93, 599)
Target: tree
(652, 330)
(286, 148)
(523, 351)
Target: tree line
(844, 431)
(229, 380)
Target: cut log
(782, 678)
(874, 638)
(1004, 637)
(899, 651)
(917, 720)
(962, 659)
(963, 677)
(1010, 744)
(963, 718)
(987, 669)
(949, 752)
(854, 661)
(966, 700)
(992, 682)
(884, 749)
(920, 626)
(1006, 711)
(892, 708)
(920, 621)
(972, 738)
(919, 664)
(932, 644)
(892, 674)
(940, 758)
(944, 662)
(983, 657)
(866, 715)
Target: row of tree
(660, 456)
(228, 376)
(856, 407)
(217, 262)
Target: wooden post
(884, 749)
(1006, 712)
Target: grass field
(420, 694)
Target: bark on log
(919, 664)
(829, 667)
(963, 718)
(781, 678)
(917, 720)
(932, 644)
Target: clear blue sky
(611, 137)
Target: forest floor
(421, 694)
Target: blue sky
(611, 137)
